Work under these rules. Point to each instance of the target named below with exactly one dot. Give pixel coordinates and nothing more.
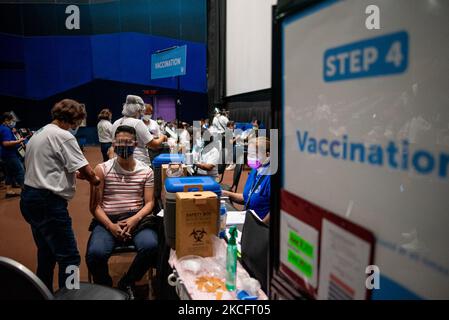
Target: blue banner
(170, 63)
(373, 57)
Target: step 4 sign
(368, 58)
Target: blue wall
(40, 57)
(45, 66)
(133, 51)
(175, 19)
(12, 73)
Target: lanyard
(255, 185)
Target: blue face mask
(124, 151)
(74, 131)
(12, 124)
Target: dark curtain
(216, 51)
(248, 111)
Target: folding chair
(19, 283)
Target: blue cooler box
(173, 185)
(164, 158)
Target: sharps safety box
(183, 184)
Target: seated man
(123, 198)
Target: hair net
(132, 106)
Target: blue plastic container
(166, 158)
(183, 184)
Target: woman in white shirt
(104, 129)
(154, 129)
(152, 125)
(53, 161)
(184, 138)
(220, 121)
(133, 110)
(209, 157)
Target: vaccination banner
(169, 63)
(366, 132)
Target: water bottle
(223, 215)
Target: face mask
(73, 131)
(124, 151)
(254, 163)
(12, 124)
(147, 117)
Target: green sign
(300, 244)
(302, 265)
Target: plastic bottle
(223, 216)
(231, 260)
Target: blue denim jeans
(14, 171)
(52, 232)
(104, 150)
(102, 243)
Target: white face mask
(147, 117)
(73, 131)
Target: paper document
(235, 218)
(344, 257)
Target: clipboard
(364, 238)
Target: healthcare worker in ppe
(256, 194)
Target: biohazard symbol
(198, 235)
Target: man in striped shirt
(123, 198)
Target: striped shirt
(124, 190)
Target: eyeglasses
(124, 142)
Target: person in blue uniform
(15, 172)
(256, 194)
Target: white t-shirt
(211, 156)
(154, 128)
(184, 139)
(143, 137)
(51, 160)
(104, 129)
(219, 123)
